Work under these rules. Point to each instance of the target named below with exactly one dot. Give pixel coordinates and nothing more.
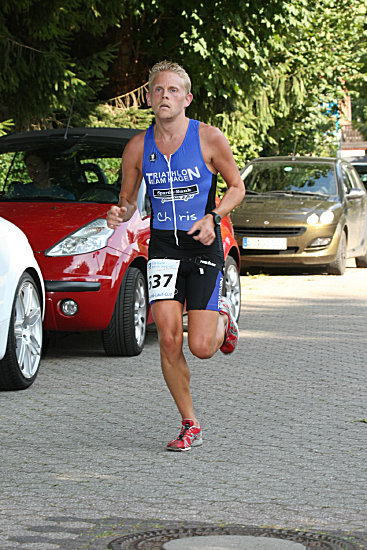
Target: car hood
(283, 206)
(47, 223)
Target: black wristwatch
(216, 217)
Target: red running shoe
(190, 436)
(231, 332)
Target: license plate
(265, 243)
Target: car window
(361, 169)
(347, 181)
(310, 178)
(353, 175)
(12, 170)
(80, 173)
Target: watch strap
(216, 217)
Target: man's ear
(148, 100)
(188, 99)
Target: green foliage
(265, 72)
(46, 59)
(289, 61)
(106, 115)
(6, 126)
(358, 85)
(11, 162)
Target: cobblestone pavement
(83, 457)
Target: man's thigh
(204, 288)
(167, 315)
(203, 332)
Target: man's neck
(168, 130)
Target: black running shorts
(200, 274)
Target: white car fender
(16, 256)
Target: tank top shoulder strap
(149, 147)
(193, 139)
(149, 135)
(193, 130)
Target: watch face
(216, 217)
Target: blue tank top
(181, 188)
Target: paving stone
(285, 436)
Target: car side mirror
(356, 193)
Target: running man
(179, 159)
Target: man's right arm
(132, 160)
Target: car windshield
(362, 172)
(61, 172)
(290, 178)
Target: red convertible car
(57, 185)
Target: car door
(355, 208)
(359, 184)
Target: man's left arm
(223, 162)
(219, 157)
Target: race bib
(162, 276)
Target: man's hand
(115, 216)
(203, 230)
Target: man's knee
(202, 348)
(170, 342)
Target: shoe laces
(184, 430)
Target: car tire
(361, 261)
(20, 364)
(232, 284)
(125, 335)
(337, 267)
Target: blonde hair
(173, 68)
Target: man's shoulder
(135, 146)
(208, 129)
(137, 140)
(59, 191)
(23, 189)
(210, 134)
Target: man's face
(37, 169)
(167, 96)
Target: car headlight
(324, 218)
(89, 238)
(313, 219)
(327, 217)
